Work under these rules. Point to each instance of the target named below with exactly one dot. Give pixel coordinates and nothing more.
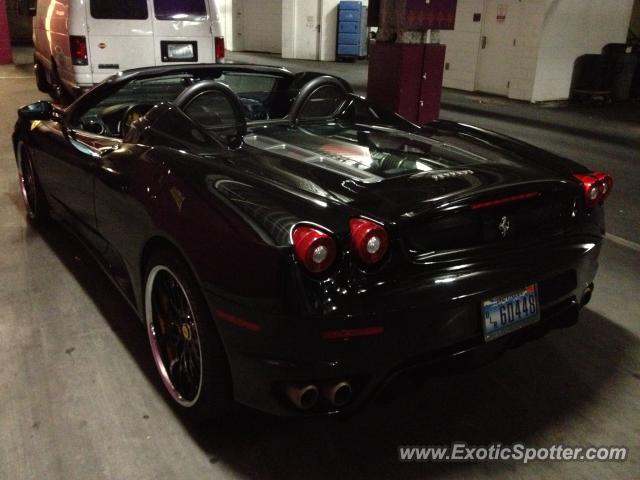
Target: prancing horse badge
(504, 226)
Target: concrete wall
(288, 29)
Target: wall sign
(502, 12)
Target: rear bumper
(260, 383)
(425, 323)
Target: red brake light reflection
(502, 201)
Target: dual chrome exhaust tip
(305, 397)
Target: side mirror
(26, 8)
(41, 110)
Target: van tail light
(219, 48)
(596, 186)
(369, 241)
(314, 249)
(78, 46)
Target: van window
(179, 10)
(122, 9)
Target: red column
(407, 78)
(5, 38)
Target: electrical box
(352, 31)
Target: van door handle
(483, 41)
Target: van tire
(57, 91)
(41, 78)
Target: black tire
(41, 78)
(171, 332)
(57, 90)
(35, 201)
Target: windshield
(180, 9)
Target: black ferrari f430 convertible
(292, 247)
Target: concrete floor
(79, 398)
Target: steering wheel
(131, 115)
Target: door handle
(483, 41)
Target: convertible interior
(215, 101)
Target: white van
(79, 43)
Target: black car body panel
(229, 205)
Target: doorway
(500, 23)
(262, 25)
(306, 18)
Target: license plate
(179, 51)
(506, 313)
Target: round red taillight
(315, 249)
(369, 241)
(605, 184)
(596, 186)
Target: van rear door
(184, 31)
(120, 36)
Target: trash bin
(592, 77)
(615, 48)
(624, 62)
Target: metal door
(262, 25)
(500, 23)
(307, 29)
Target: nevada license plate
(506, 313)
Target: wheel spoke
(176, 337)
